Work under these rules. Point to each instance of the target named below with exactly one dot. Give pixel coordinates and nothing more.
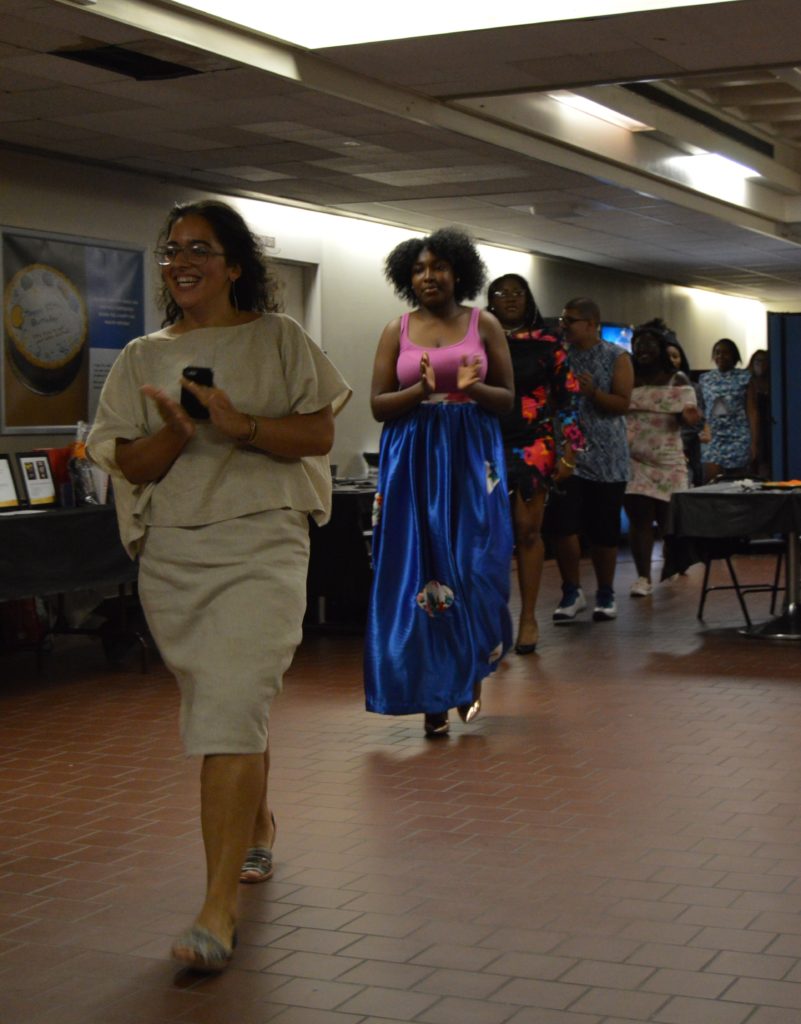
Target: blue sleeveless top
(606, 457)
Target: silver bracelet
(254, 429)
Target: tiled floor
(616, 839)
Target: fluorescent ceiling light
(576, 102)
(320, 23)
(713, 175)
(709, 166)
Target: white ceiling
(451, 129)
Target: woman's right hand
(173, 413)
(146, 459)
(427, 377)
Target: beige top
(269, 367)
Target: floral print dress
(544, 422)
(658, 466)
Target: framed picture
(9, 499)
(37, 480)
(68, 305)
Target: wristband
(570, 465)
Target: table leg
(786, 626)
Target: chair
(724, 549)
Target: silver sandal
(258, 864)
(199, 950)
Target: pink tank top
(445, 360)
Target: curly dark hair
(253, 290)
(448, 244)
(532, 318)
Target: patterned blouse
(545, 392)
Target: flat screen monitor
(618, 334)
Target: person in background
(759, 367)
(731, 412)
(661, 401)
(593, 495)
(691, 436)
(438, 620)
(214, 484)
(541, 435)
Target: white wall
(349, 300)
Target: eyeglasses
(517, 294)
(566, 321)
(195, 253)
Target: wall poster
(69, 306)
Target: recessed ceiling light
(576, 102)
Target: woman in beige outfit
(217, 511)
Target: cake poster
(69, 306)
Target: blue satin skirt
(442, 543)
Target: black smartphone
(198, 375)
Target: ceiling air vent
(127, 62)
(715, 124)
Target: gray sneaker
(573, 601)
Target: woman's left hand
(468, 373)
(222, 413)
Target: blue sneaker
(605, 607)
(573, 601)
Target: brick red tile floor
(616, 839)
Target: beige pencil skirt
(225, 604)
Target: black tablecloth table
(60, 550)
(340, 570)
(57, 551)
(734, 509)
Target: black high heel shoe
(437, 724)
(529, 648)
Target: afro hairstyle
(448, 244)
